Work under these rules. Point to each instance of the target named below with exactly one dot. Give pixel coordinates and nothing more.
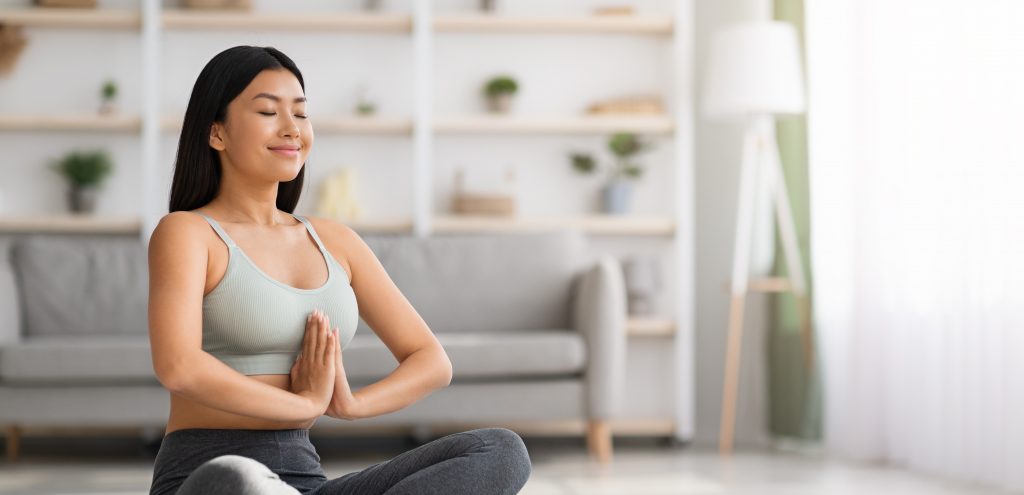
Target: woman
(242, 298)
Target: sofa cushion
(76, 359)
(127, 359)
(485, 283)
(483, 355)
(82, 285)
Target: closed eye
(273, 113)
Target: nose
(290, 128)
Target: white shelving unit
(422, 25)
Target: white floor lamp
(754, 75)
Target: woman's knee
(234, 474)
(510, 449)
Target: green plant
(109, 90)
(84, 168)
(624, 145)
(501, 85)
(583, 162)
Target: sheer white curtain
(917, 192)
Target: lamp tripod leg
(753, 144)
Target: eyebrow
(300, 99)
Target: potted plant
(615, 194)
(364, 105)
(499, 91)
(84, 171)
(488, 5)
(108, 95)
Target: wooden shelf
(763, 284)
(72, 18)
(591, 224)
(515, 124)
(197, 19)
(364, 125)
(650, 327)
(626, 24)
(380, 226)
(71, 223)
(484, 125)
(103, 18)
(94, 122)
(341, 125)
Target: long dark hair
(197, 167)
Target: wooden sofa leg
(599, 440)
(13, 443)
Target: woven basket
(218, 4)
(485, 204)
(79, 4)
(12, 43)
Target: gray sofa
(534, 325)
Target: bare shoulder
(331, 229)
(178, 228)
(341, 240)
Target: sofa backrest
(484, 282)
(73, 285)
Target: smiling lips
(286, 150)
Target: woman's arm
(177, 278)
(423, 364)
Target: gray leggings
(260, 462)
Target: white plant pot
(501, 103)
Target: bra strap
(312, 232)
(220, 231)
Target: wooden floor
(123, 465)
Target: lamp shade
(754, 70)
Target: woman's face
(266, 135)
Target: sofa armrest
(599, 313)
(10, 299)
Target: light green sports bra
(255, 324)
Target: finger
(328, 349)
(305, 335)
(318, 347)
(335, 349)
(325, 340)
(307, 338)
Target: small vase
(500, 103)
(615, 197)
(108, 107)
(82, 199)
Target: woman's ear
(217, 136)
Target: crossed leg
(480, 461)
